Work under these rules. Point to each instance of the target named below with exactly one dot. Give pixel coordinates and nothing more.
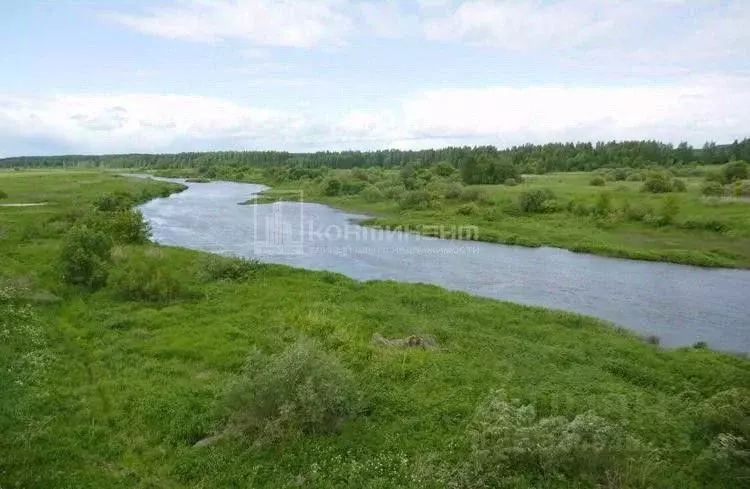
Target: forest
(491, 164)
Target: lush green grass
(498, 219)
(99, 391)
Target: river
(679, 304)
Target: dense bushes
(115, 201)
(537, 200)
(3, 195)
(143, 276)
(85, 257)
(511, 446)
(417, 199)
(216, 267)
(302, 390)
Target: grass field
(100, 390)
(705, 231)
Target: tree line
(481, 164)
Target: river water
(680, 304)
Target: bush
(669, 210)
(416, 199)
(332, 187)
(657, 183)
(85, 257)
(116, 201)
(125, 226)
(143, 277)
(712, 189)
(715, 176)
(603, 207)
(598, 181)
(734, 171)
(678, 185)
(228, 269)
(303, 390)
(470, 209)
(635, 176)
(510, 443)
(3, 195)
(511, 182)
(444, 169)
(537, 200)
(371, 193)
(727, 412)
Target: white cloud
(259, 22)
(697, 110)
(591, 32)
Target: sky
(98, 76)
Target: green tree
(734, 171)
(85, 257)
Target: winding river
(680, 304)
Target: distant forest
(525, 159)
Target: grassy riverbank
(114, 386)
(616, 219)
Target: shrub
(511, 182)
(228, 269)
(734, 171)
(444, 169)
(416, 199)
(678, 185)
(712, 189)
(116, 201)
(509, 441)
(302, 390)
(371, 193)
(715, 176)
(669, 209)
(142, 277)
(598, 181)
(125, 226)
(3, 195)
(469, 209)
(727, 412)
(85, 257)
(332, 187)
(635, 176)
(603, 207)
(537, 200)
(657, 183)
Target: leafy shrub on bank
(302, 390)
(417, 199)
(735, 171)
(125, 226)
(228, 268)
(597, 181)
(371, 193)
(712, 189)
(537, 200)
(510, 182)
(85, 257)
(116, 201)
(713, 225)
(470, 209)
(3, 195)
(512, 446)
(145, 277)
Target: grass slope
(104, 392)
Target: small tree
(712, 189)
(332, 187)
(85, 258)
(537, 200)
(3, 195)
(657, 183)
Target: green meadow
(127, 364)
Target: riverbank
(702, 232)
(103, 390)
